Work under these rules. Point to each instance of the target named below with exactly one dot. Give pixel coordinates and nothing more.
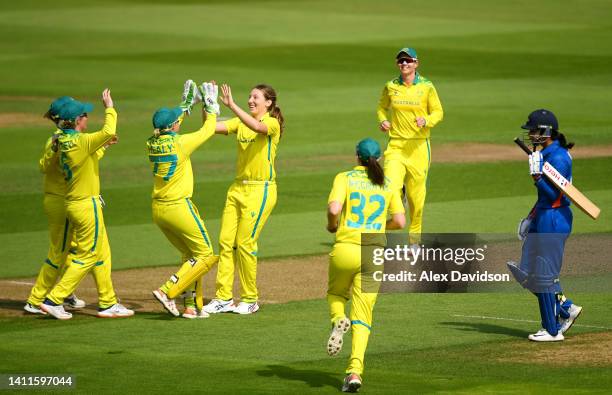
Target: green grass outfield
(492, 63)
(423, 343)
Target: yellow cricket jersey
(54, 182)
(406, 103)
(78, 158)
(365, 205)
(169, 155)
(256, 151)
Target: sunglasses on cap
(405, 60)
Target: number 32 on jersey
(365, 211)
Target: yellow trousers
(180, 222)
(407, 164)
(247, 208)
(344, 280)
(91, 251)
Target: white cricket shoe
(73, 302)
(190, 312)
(116, 311)
(546, 337)
(566, 323)
(219, 306)
(541, 332)
(246, 308)
(203, 314)
(352, 383)
(339, 328)
(30, 308)
(168, 304)
(56, 311)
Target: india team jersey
(406, 103)
(365, 205)
(78, 159)
(256, 151)
(169, 155)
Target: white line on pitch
(20, 283)
(484, 317)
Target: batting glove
(190, 97)
(210, 93)
(535, 163)
(523, 228)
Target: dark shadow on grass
(486, 328)
(314, 378)
(14, 305)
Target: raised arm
(94, 141)
(246, 118)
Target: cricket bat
(565, 186)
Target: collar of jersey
(552, 147)
(362, 168)
(69, 131)
(167, 134)
(416, 79)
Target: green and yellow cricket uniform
(60, 231)
(78, 161)
(250, 200)
(173, 211)
(408, 153)
(365, 210)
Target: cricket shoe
(55, 311)
(30, 308)
(246, 308)
(168, 304)
(352, 383)
(566, 323)
(116, 311)
(339, 328)
(544, 336)
(219, 306)
(73, 302)
(541, 332)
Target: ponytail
(274, 110)
(563, 141)
(376, 174)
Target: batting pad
(200, 268)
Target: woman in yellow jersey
(359, 202)
(173, 211)
(79, 163)
(251, 197)
(60, 231)
(414, 106)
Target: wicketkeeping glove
(191, 96)
(523, 228)
(210, 93)
(535, 163)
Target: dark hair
(560, 137)
(376, 174)
(275, 111)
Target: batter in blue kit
(546, 229)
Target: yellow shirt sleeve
(49, 157)
(91, 142)
(395, 205)
(191, 141)
(232, 125)
(272, 124)
(383, 105)
(434, 109)
(338, 192)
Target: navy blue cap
(165, 117)
(367, 148)
(541, 119)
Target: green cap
(73, 109)
(165, 117)
(410, 52)
(57, 104)
(367, 148)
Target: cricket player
(546, 229)
(250, 199)
(412, 102)
(60, 231)
(173, 211)
(359, 202)
(79, 163)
